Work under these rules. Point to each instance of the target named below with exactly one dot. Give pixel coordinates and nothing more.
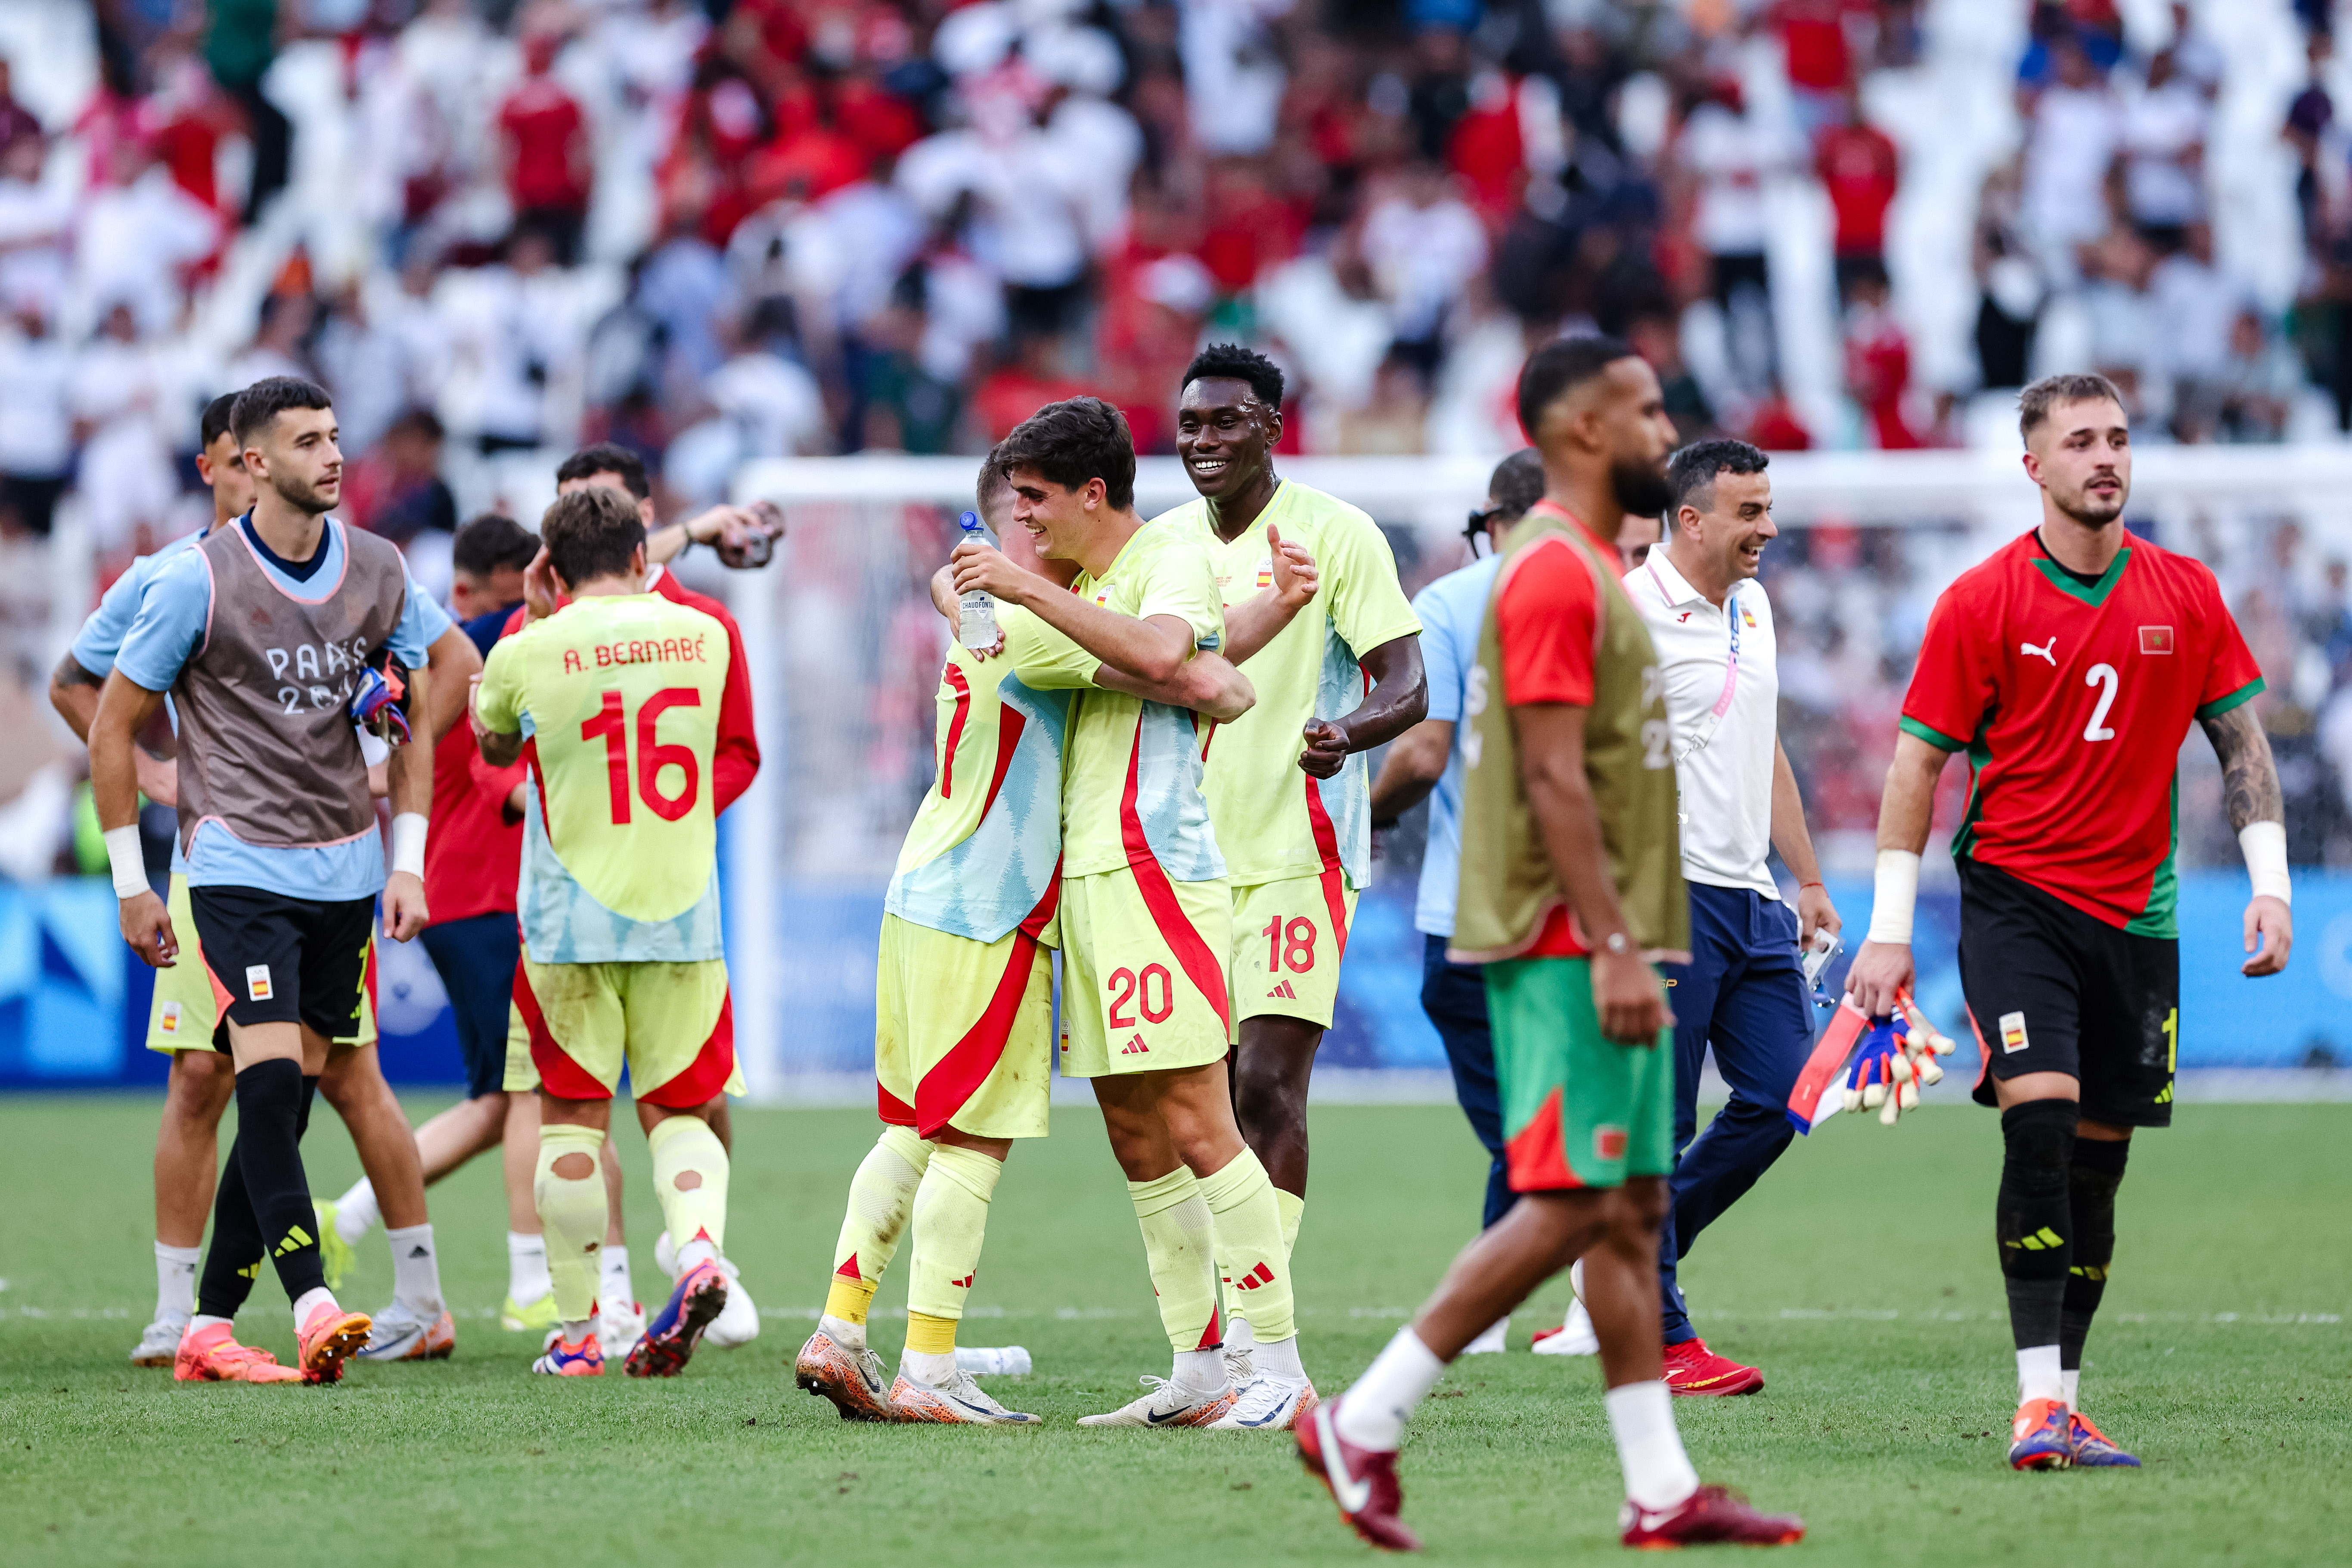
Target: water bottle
(979, 623)
(993, 1361)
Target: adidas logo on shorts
(1283, 992)
(1134, 1047)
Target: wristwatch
(1618, 943)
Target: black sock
(234, 1259)
(2096, 1171)
(2033, 1222)
(270, 1113)
(309, 1095)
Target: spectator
(2071, 139)
(138, 240)
(545, 145)
(1859, 166)
(15, 120)
(36, 430)
(240, 43)
(1423, 245)
(2307, 121)
(128, 401)
(396, 490)
(2163, 144)
(521, 339)
(2199, 306)
(2253, 395)
(35, 219)
(1878, 360)
(1729, 154)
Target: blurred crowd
(717, 230)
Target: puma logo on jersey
(1134, 1047)
(1282, 992)
(2048, 653)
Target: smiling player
(2069, 667)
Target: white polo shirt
(1723, 764)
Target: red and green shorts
(1579, 1110)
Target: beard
(303, 496)
(2093, 511)
(1643, 491)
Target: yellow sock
(1248, 1225)
(881, 1194)
(572, 1214)
(1178, 1246)
(951, 1217)
(929, 1335)
(690, 1180)
(1294, 1208)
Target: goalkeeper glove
(1924, 1042)
(1880, 1078)
(379, 701)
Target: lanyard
(1708, 724)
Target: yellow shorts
(963, 1032)
(522, 1073)
(1143, 982)
(1287, 939)
(671, 1025)
(185, 1014)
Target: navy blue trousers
(1744, 990)
(475, 958)
(1454, 998)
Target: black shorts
(2051, 989)
(280, 960)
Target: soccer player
(963, 1038)
(1145, 907)
(2069, 667)
(622, 963)
(1571, 889)
(471, 866)
(1426, 760)
(1286, 783)
(264, 633)
(1744, 988)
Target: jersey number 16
(612, 723)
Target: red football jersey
(2072, 702)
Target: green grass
(1860, 1275)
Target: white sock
(310, 1301)
(1576, 1280)
(1279, 1358)
(1658, 1474)
(416, 1270)
(356, 1212)
(1239, 1335)
(175, 1282)
(615, 1286)
(1201, 1371)
(527, 1278)
(926, 1367)
(697, 1251)
(2038, 1375)
(849, 1336)
(575, 1333)
(2072, 1382)
(201, 1321)
(1377, 1406)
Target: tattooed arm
(2250, 792)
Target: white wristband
(129, 866)
(2265, 844)
(408, 843)
(1895, 896)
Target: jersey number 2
(611, 723)
(2104, 677)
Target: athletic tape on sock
(691, 1173)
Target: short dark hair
(1695, 468)
(591, 533)
(422, 423)
(2035, 403)
(1517, 484)
(607, 457)
(1072, 441)
(1235, 362)
(491, 542)
(215, 422)
(267, 398)
(1560, 365)
(994, 481)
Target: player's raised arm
(1256, 620)
(2250, 793)
(1152, 649)
(1905, 813)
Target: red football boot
(1692, 1368)
(1708, 1515)
(1362, 1481)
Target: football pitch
(1859, 1275)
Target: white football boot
(1268, 1404)
(958, 1401)
(160, 1343)
(1169, 1404)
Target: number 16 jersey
(2072, 700)
(619, 698)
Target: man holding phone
(1745, 988)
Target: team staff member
(1426, 760)
(266, 633)
(1286, 783)
(1744, 988)
(2069, 666)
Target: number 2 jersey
(2072, 700)
(619, 697)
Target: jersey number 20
(612, 723)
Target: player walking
(964, 1039)
(1287, 784)
(1427, 761)
(1744, 988)
(1145, 908)
(265, 633)
(1571, 889)
(2069, 667)
(619, 906)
